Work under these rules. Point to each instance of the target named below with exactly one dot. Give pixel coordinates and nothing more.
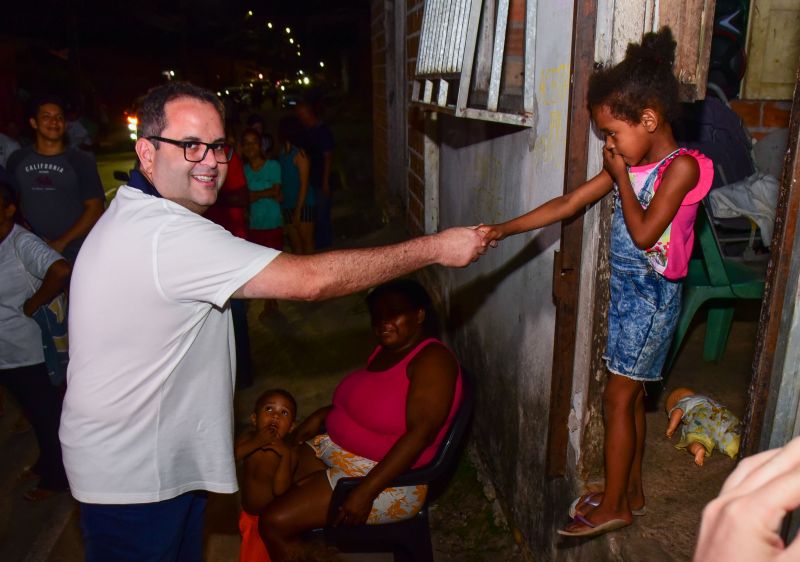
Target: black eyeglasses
(195, 151)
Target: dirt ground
(676, 489)
(320, 342)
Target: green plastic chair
(714, 277)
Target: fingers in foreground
(755, 471)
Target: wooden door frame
(567, 262)
(761, 403)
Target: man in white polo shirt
(148, 423)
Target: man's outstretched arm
(341, 272)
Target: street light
(249, 13)
(298, 53)
(291, 40)
(306, 81)
(321, 64)
(269, 24)
(260, 76)
(288, 31)
(133, 124)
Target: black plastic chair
(409, 540)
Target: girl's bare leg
(635, 490)
(619, 450)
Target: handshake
(460, 246)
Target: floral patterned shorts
(393, 504)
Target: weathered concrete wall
(501, 313)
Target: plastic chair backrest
(746, 280)
(712, 252)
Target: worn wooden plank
(483, 54)
(692, 23)
(497, 54)
(761, 403)
(566, 277)
(469, 55)
(441, 96)
(528, 98)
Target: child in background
(657, 190)
(269, 463)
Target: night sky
(103, 51)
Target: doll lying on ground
(705, 424)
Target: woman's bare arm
(55, 279)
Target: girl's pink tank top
(369, 409)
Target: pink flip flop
(592, 529)
(589, 499)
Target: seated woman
(388, 417)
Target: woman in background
(264, 185)
(298, 198)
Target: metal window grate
(463, 61)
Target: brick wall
(761, 117)
(380, 129)
(415, 209)
(514, 54)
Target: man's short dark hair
(44, 99)
(151, 114)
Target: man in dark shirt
(319, 146)
(60, 191)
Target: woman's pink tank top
(369, 409)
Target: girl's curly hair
(643, 79)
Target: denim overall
(644, 306)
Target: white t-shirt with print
(24, 261)
(148, 413)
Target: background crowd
(278, 189)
